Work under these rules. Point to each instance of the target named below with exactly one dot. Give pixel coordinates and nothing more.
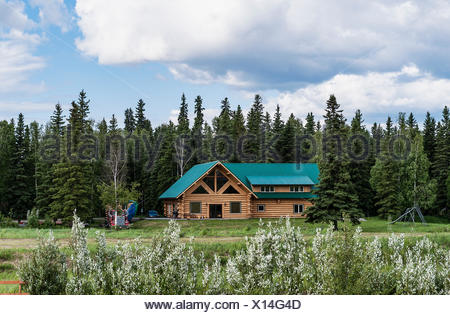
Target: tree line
(42, 168)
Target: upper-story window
(215, 180)
(267, 188)
(296, 188)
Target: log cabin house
(242, 190)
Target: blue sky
(380, 56)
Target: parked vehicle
(153, 214)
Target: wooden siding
(282, 188)
(213, 197)
(274, 208)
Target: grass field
(222, 237)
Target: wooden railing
(14, 282)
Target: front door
(215, 211)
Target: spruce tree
(429, 140)
(238, 132)
(384, 178)
(183, 119)
(361, 164)
(199, 120)
(23, 184)
(310, 124)
(286, 142)
(413, 128)
(72, 183)
(442, 161)
(113, 126)
(254, 127)
(57, 120)
(336, 197)
(197, 130)
(140, 115)
(278, 123)
(267, 135)
(83, 105)
(7, 166)
(224, 120)
(130, 122)
(223, 129)
(278, 127)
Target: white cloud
(17, 44)
(12, 15)
(187, 73)
(406, 90)
(267, 42)
(25, 106)
(53, 12)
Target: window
(230, 190)
(221, 180)
(267, 188)
(296, 188)
(209, 180)
(298, 208)
(200, 190)
(261, 208)
(196, 207)
(169, 209)
(235, 207)
(215, 180)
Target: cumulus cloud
(12, 15)
(409, 89)
(25, 106)
(187, 73)
(17, 45)
(53, 12)
(267, 43)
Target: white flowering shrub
(44, 271)
(165, 266)
(81, 281)
(276, 260)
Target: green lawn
(230, 228)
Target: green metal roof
(187, 179)
(284, 195)
(264, 173)
(245, 170)
(280, 180)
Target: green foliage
(57, 121)
(124, 194)
(360, 166)
(7, 166)
(183, 119)
(33, 218)
(336, 194)
(254, 128)
(56, 187)
(286, 142)
(277, 259)
(130, 122)
(6, 222)
(44, 271)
